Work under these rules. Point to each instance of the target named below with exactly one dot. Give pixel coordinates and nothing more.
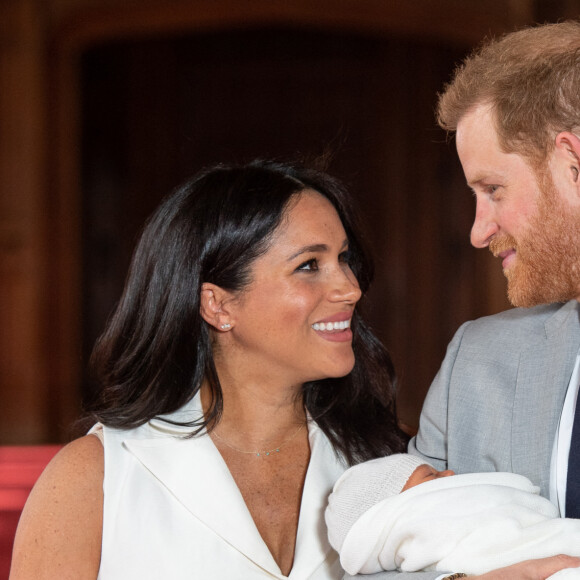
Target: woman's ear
(213, 306)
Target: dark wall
(155, 111)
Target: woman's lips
(334, 329)
(336, 336)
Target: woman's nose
(346, 288)
(484, 226)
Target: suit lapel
(544, 371)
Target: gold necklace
(261, 453)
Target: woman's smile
(335, 329)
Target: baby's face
(425, 473)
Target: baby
(399, 513)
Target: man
(505, 396)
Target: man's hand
(532, 569)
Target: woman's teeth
(326, 326)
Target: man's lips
(507, 256)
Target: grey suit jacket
(497, 399)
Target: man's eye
(309, 265)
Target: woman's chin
(339, 370)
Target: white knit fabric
(472, 523)
(361, 487)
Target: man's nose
(484, 226)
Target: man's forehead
(479, 119)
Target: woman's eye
(309, 265)
(345, 257)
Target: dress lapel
(312, 546)
(194, 472)
(545, 367)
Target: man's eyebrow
(485, 177)
(473, 182)
(312, 248)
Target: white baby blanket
(470, 523)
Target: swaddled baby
(399, 513)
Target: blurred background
(107, 105)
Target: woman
(238, 382)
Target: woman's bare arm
(59, 533)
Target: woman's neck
(255, 415)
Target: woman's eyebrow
(311, 248)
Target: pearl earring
(225, 326)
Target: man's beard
(547, 262)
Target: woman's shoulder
(77, 466)
(59, 533)
(80, 462)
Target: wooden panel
(157, 111)
(80, 25)
(64, 162)
(88, 21)
(41, 48)
(23, 363)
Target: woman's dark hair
(156, 350)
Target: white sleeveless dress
(172, 510)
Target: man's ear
(214, 306)
(567, 160)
